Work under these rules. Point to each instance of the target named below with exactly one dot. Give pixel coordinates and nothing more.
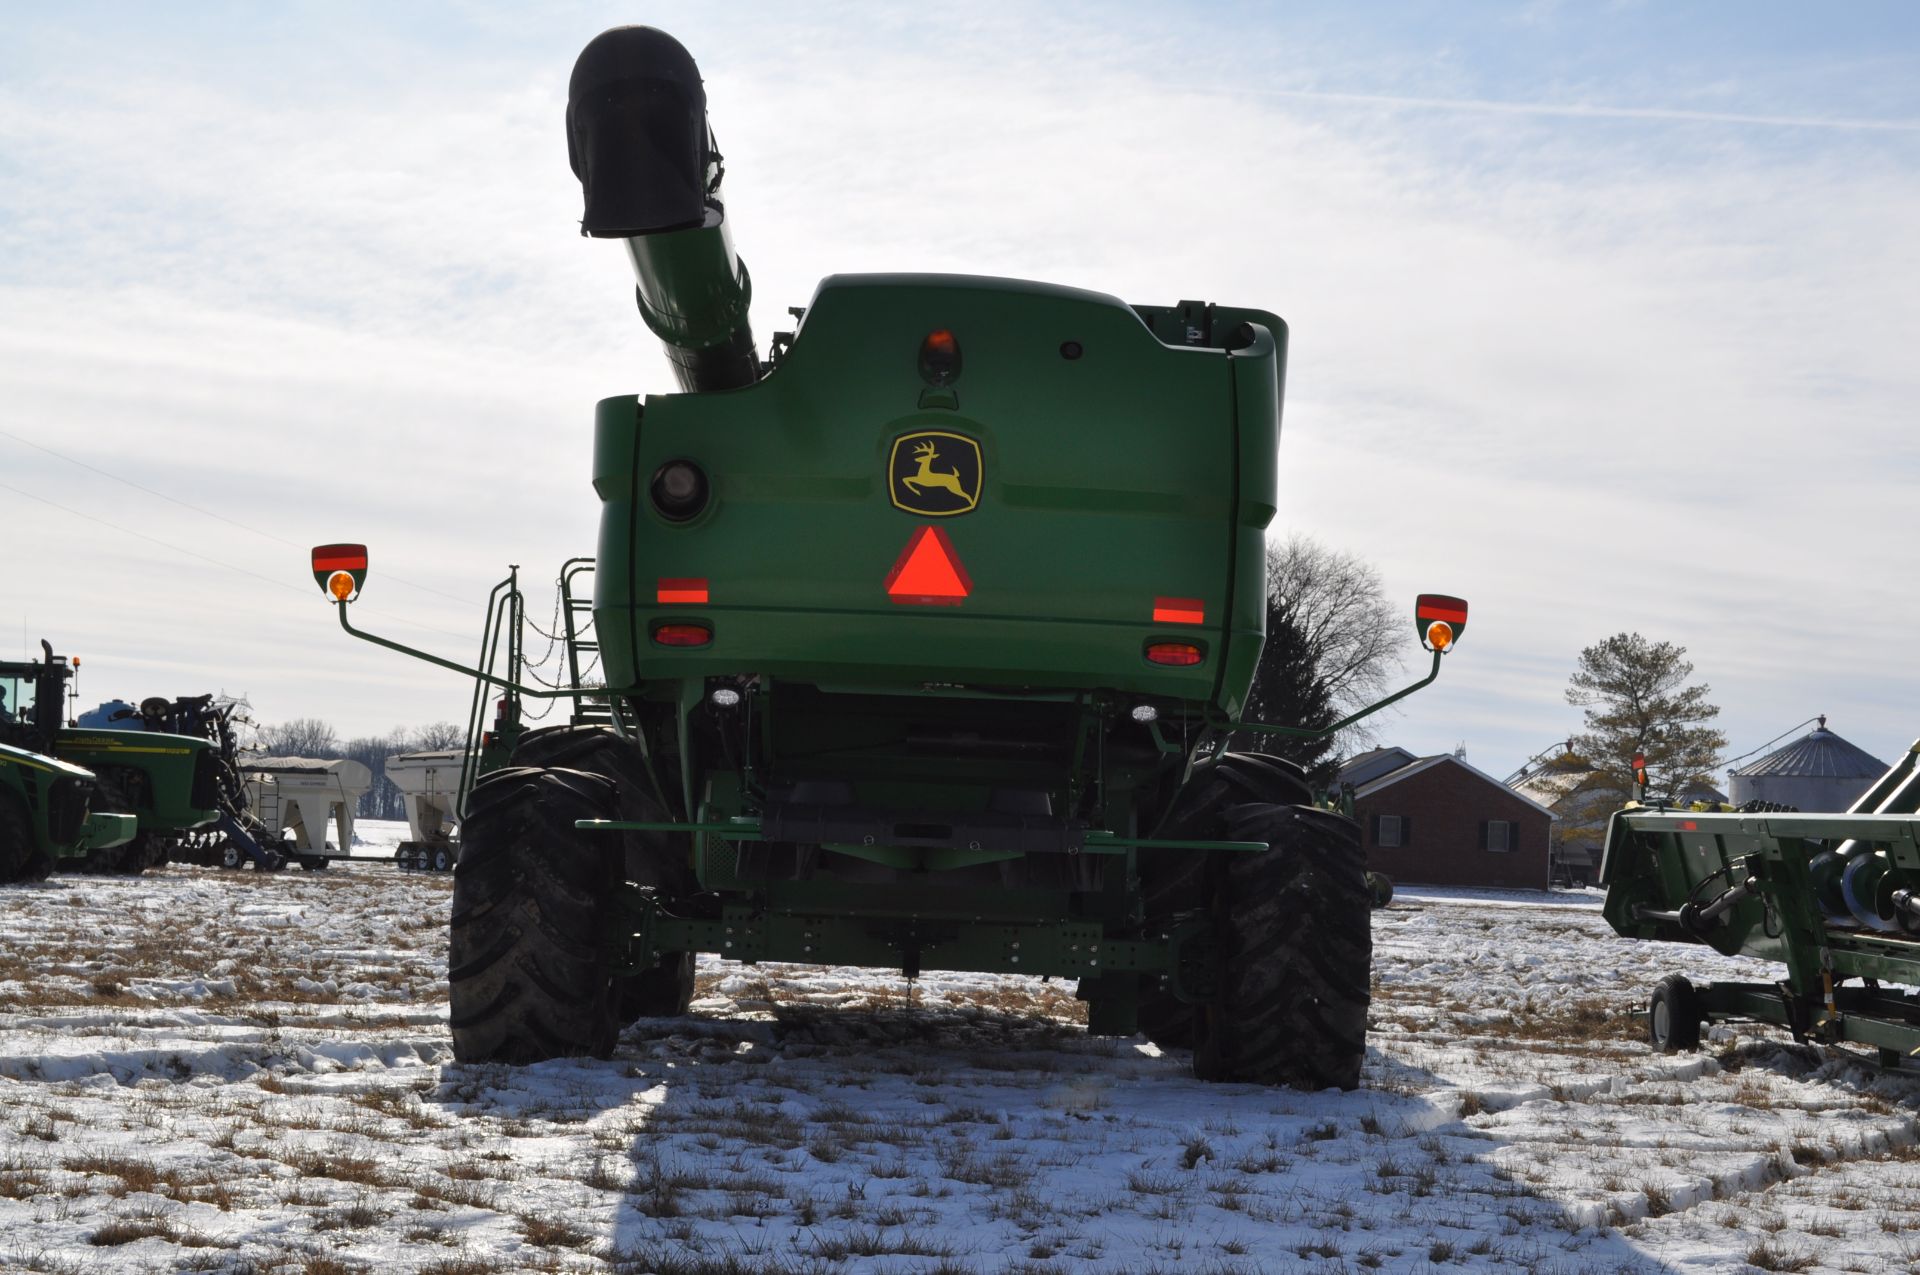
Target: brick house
(1439, 821)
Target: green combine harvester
(1835, 898)
(921, 640)
(143, 789)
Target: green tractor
(45, 815)
(166, 784)
(921, 641)
(46, 805)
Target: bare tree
(438, 736)
(1344, 629)
(301, 737)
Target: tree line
(313, 737)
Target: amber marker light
(340, 585)
(1439, 635)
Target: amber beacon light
(1440, 620)
(340, 570)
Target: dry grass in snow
(211, 1071)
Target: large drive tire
(1292, 931)
(1674, 1016)
(1177, 881)
(1294, 927)
(17, 844)
(527, 970)
(652, 859)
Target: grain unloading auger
(1834, 897)
(922, 641)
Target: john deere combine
(1835, 898)
(165, 783)
(921, 639)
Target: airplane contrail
(1594, 112)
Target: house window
(1389, 835)
(1499, 835)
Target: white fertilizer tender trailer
(297, 797)
(429, 783)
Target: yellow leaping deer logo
(920, 484)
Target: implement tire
(1180, 881)
(658, 860)
(527, 970)
(1674, 1016)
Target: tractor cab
(31, 694)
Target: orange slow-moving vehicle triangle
(928, 571)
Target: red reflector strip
(928, 571)
(1688, 825)
(1451, 615)
(340, 558)
(1179, 611)
(670, 591)
(1177, 654)
(682, 634)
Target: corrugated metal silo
(1819, 772)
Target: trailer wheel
(655, 859)
(527, 973)
(442, 859)
(1674, 1015)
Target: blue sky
(1603, 315)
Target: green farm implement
(919, 643)
(1835, 898)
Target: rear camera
(679, 490)
(1070, 350)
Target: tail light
(682, 634)
(1175, 654)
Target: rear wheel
(1294, 927)
(1179, 881)
(653, 859)
(528, 976)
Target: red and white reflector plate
(928, 571)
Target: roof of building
(1428, 763)
(1362, 768)
(1819, 754)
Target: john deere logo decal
(934, 474)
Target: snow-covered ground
(223, 1071)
